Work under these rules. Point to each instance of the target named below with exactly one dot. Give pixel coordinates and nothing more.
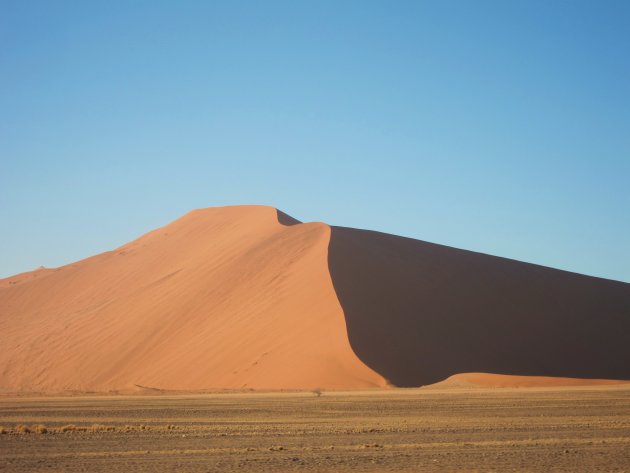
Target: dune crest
(248, 297)
(233, 297)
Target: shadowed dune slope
(232, 297)
(418, 312)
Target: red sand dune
(489, 380)
(248, 297)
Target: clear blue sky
(496, 126)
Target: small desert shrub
(317, 391)
(22, 429)
(40, 429)
(3, 431)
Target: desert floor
(570, 429)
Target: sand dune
(248, 297)
(221, 298)
(490, 380)
(418, 313)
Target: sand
(491, 380)
(418, 313)
(220, 298)
(247, 297)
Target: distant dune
(488, 380)
(248, 297)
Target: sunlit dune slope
(489, 380)
(233, 297)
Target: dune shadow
(418, 312)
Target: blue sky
(495, 126)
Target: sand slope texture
(247, 297)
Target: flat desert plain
(468, 429)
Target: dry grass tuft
(39, 429)
(68, 428)
(42, 429)
(22, 429)
(102, 428)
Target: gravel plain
(402, 430)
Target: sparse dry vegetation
(22, 429)
(102, 428)
(535, 430)
(39, 429)
(42, 429)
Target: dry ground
(572, 430)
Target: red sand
(232, 297)
(220, 298)
(489, 380)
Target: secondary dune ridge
(490, 380)
(248, 297)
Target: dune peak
(248, 297)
